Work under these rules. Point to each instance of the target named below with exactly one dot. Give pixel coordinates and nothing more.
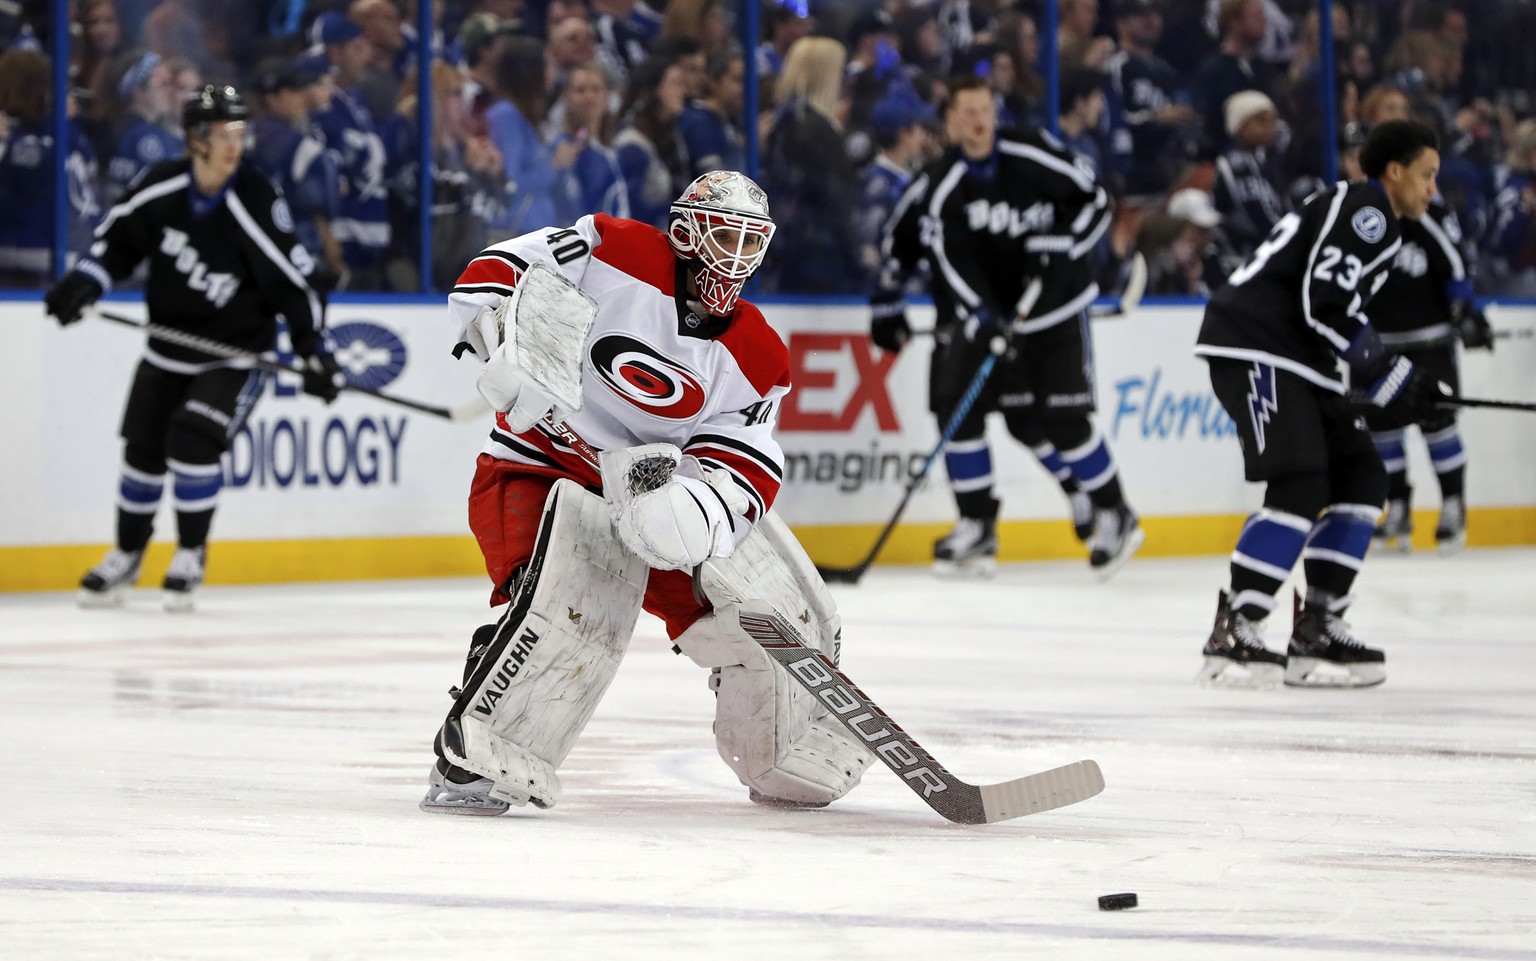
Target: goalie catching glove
(669, 510)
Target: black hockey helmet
(214, 103)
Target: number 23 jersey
(1299, 300)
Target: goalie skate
(445, 796)
(970, 550)
(108, 582)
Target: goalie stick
(1491, 404)
(218, 348)
(951, 797)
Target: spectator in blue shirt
(144, 90)
(26, 173)
(513, 124)
(711, 126)
(587, 177)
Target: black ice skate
(1451, 532)
(1117, 535)
(970, 550)
(1082, 514)
(1324, 654)
(183, 577)
(1395, 532)
(105, 584)
(1235, 655)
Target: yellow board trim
(57, 568)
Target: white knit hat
(1244, 105)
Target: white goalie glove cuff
(672, 520)
(508, 388)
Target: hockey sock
(969, 463)
(196, 492)
(1092, 465)
(1394, 457)
(1050, 459)
(1336, 547)
(138, 497)
(1449, 458)
(1266, 553)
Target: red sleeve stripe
(755, 508)
(490, 270)
(738, 449)
(748, 473)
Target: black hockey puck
(1117, 902)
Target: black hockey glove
(70, 295)
(1403, 394)
(323, 377)
(888, 326)
(991, 330)
(1472, 324)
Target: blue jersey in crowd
(297, 162)
(530, 174)
(713, 142)
(26, 181)
(143, 144)
(350, 138)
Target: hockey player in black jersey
(971, 548)
(1007, 212)
(223, 263)
(1274, 338)
(1424, 307)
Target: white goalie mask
(722, 221)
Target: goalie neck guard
(721, 222)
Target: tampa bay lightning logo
(642, 377)
(1369, 223)
(1262, 400)
(370, 355)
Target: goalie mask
(722, 222)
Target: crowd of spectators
(1202, 117)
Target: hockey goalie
(632, 466)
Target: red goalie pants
(506, 501)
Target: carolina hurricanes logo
(646, 379)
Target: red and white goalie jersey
(653, 370)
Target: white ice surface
(242, 783)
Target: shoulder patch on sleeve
(149, 148)
(282, 216)
(1370, 224)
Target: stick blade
(1045, 791)
(1135, 284)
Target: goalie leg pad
(553, 655)
(780, 741)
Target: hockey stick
(1515, 333)
(1130, 297)
(1493, 404)
(217, 348)
(851, 575)
(948, 795)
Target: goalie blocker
(533, 689)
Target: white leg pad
(780, 741)
(554, 653)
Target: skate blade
(1452, 546)
(99, 600)
(1315, 672)
(1221, 672)
(178, 602)
(977, 568)
(463, 808)
(1113, 565)
(1396, 544)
